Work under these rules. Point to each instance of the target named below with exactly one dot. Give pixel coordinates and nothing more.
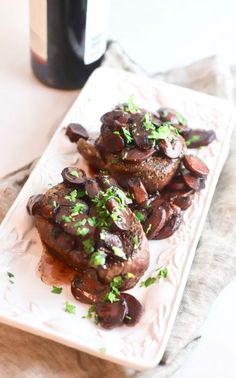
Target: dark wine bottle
(67, 40)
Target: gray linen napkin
(25, 355)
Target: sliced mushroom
(136, 187)
(195, 165)
(87, 288)
(73, 176)
(75, 131)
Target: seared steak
(89, 225)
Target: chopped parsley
(56, 290)
(140, 216)
(78, 208)
(66, 218)
(129, 275)
(98, 258)
(194, 138)
(10, 275)
(70, 308)
(149, 228)
(148, 282)
(102, 350)
(74, 173)
(92, 221)
(135, 240)
(162, 132)
(119, 252)
(80, 223)
(114, 292)
(127, 135)
(147, 122)
(105, 217)
(161, 273)
(128, 317)
(90, 313)
(116, 132)
(72, 196)
(88, 245)
(130, 106)
(80, 193)
(82, 231)
(114, 161)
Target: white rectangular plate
(29, 304)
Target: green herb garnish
(112, 296)
(130, 106)
(194, 138)
(92, 221)
(102, 350)
(129, 275)
(135, 240)
(56, 290)
(98, 258)
(82, 231)
(147, 122)
(114, 161)
(66, 218)
(70, 308)
(88, 245)
(72, 196)
(74, 173)
(127, 135)
(149, 228)
(162, 132)
(78, 208)
(161, 273)
(139, 216)
(119, 252)
(90, 313)
(10, 275)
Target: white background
(158, 35)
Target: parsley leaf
(92, 221)
(66, 219)
(148, 282)
(72, 196)
(56, 290)
(82, 231)
(119, 252)
(74, 173)
(127, 135)
(161, 273)
(10, 275)
(147, 122)
(129, 275)
(88, 245)
(70, 308)
(130, 106)
(194, 138)
(136, 240)
(78, 208)
(102, 350)
(98, 258)
(140, 216)
(90, 313)
(114, 292)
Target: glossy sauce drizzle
(54, 271)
